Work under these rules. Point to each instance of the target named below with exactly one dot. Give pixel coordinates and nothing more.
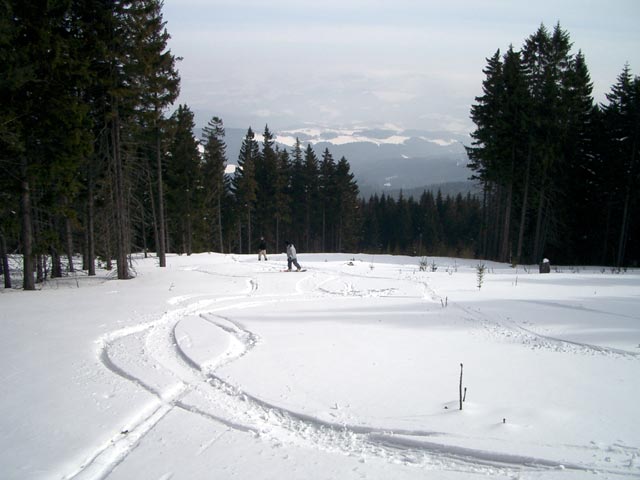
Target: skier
(291, 256)
(262, 249)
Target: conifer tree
(282, 194)
(214, 180)
(159, 85)
(328, 199)
(266, 180)
(622, 117)
(245, 185)
(43, 132)
(297, 191)
(309, 179)
(347, 199)
(183, 179)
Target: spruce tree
(282, 194)
(328, 199)
(245, 185)
(266, 180)
(622, 117)
(183, 180)
(309, 178)
(348, 221)
(214, 181)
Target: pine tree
(43, 130)
(158, 81)
(309, 178)
(328, 199)
(348, 208)
(245, 185)
(266, 179)
(282, 194)
(183, 179)
(622, 116)
(297, 191)
(214, 181)
(484, 153)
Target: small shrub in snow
(423, 264)
(481, 269)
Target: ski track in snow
(512, 331)
(155, 358)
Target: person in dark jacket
(292, 256)
(262, 249)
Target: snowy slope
(220, 366)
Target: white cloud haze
(414, 63)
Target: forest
(94, 165)
(559, 172)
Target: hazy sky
(344, 63)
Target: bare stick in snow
(460, 388)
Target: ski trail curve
(162, 358)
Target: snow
(439, 141)
(220, 366)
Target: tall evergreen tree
(183, 179)
(282, 194)
(347, 199)
(328, 200)
(43, 131)
(159, 85)
(245, 184)
(622, 116)
(266, 180)
(309, 179)
(214, 182)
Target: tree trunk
(154, 216)
(120, 200)
(91, 236)
(506, 228)
(56, 268)
(624, 228)
(220, 222)
(523, 213)
(496, 223)
(162, 232)
(537, 247)
(41, 268)
(5, 262)
(484, 223)
(248, 231)
(69, 243)
(277, 231)
(605, 246)
(27, 232)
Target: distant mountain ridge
(383, 160)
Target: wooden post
(460, 388)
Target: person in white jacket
(291, 256)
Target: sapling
(460, 387)
(481, 269)
(423, 264)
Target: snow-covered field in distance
(220, 366)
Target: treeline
(273, 193)
(432, 224)
(83, 134)
(559, 173)
(91, 162)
